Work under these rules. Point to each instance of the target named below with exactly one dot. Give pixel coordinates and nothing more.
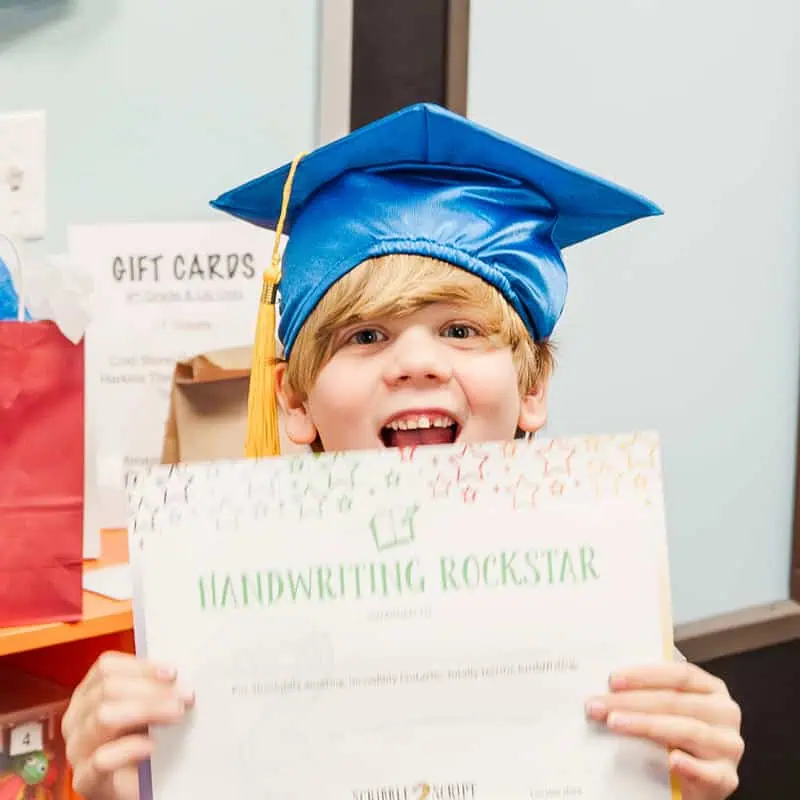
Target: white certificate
(162, 292)
(421, 625)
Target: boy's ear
(533, 408)
(298, 424)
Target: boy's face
(430, 377)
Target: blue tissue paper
(9, 300)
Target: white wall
(686, 323)
(155, 107)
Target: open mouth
(413, 430)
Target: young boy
(420, 286)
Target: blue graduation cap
(427, 181)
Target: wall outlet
(22, 174)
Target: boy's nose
(417, 357)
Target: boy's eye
(367, 336)
(459, 331)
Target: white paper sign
(162, 292)
(405, 625)
(25, 738)
(113, 582)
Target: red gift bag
(41, 474)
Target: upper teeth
(422, 421)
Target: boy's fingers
(117, 718)
(90, 774)
(144, 690)
(679, 733)
(715, 709)
(127, 751)
(682, 677)
(110, 666)
(105, 702)
(82, 738)
(118, 664)
(720, 776)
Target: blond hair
(398, 284)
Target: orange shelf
(101, 615)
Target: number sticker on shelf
(25, 738)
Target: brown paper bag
(208, 409)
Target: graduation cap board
(426, 181)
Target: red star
(470, 464)
(440, 486)
(407, 453)
(469, 494)
(526, 498)
(558, 461)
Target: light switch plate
(22, 174)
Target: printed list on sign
(162, 293)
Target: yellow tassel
(263, 438)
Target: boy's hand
(688, 711)
(105, 724)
